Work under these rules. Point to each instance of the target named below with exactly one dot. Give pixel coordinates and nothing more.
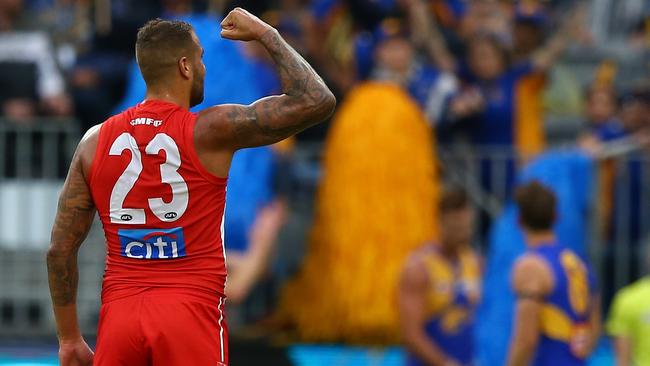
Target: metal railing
(33, 160)
(28, 202)
(624, 235)
(38, 149)
(619, 219)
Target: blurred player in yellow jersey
(629, 323)
(557, 312)
(440, 289)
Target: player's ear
(185, 67)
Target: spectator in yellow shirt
(629, 323)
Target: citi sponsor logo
(152, 243)
(146, 122)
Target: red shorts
(162, 328)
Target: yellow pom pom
(375, 204)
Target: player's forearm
(67, 325)
(524, 341)
(520, 354)
(310, 97)
(63, 278)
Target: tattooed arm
(305, 101)
(73, 219)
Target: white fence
(32, 167)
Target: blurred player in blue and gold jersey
(557, 312)
(440, 289)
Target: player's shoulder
(87, 146)
(91, 138)
(530, 262)
(414, 268)
(414, 275)
(420, 254)
(531, 272)
(213, 125)
(216, 114)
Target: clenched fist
(75, 353)
(240, 25)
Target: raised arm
(73, 219)
(305, 101)
(572, 28)
(427, 35)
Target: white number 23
(167, 212)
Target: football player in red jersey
(156, 174)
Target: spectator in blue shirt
(601, 112)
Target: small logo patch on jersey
(152, 243)
(146, 122)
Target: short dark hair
(453, 199)
(159, 45)
(536, 206)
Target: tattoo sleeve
(73, 220)
(305, 101)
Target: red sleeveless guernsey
(162, 211)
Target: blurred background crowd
(476, 93)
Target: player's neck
(168, 96)
(539, 238)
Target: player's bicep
(411, 296)
(531, 278)
(236, 126)
(75, 211)
(530, 285)
(527, 324)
